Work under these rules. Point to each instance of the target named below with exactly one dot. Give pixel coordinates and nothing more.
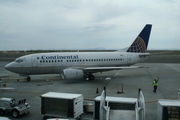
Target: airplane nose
(8, 66)
(12, 67)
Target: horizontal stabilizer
(144, 55)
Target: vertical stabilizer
(140, 44)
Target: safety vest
(155, 83)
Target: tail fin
(140, 44)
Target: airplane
(77, 65)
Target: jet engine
(70, 74)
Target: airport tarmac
(131, 79)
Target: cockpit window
(19, 60)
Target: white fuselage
(76, 65)
(55, 63)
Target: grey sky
(84, 24)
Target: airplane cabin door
(81, 61)
(34, 61)
(128, 59)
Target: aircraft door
(81, 61)
(129, 59)
(34, 61)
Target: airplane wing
(102, 69)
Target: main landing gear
(28, 78)
(90, 76)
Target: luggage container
(61, 105)
(168, 109)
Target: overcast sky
(85, 24)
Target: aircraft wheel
(28, 79)
(91, 77)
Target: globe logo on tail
(138, 46)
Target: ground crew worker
(155, 84)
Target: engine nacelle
(70, 74)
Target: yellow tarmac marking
(151, 101)
(15, 79)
